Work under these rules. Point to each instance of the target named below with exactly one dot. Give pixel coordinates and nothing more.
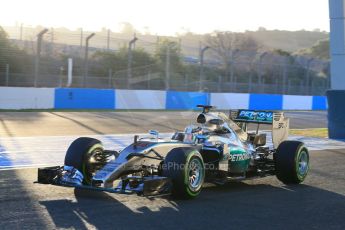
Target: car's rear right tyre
(291, 162)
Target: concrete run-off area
(24, 124)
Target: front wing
(145, 186)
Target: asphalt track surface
(318, 203)
(265, 203)
(23, 124)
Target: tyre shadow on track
(239, 205)
(18, 209)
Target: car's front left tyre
(87, 156)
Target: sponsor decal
(251, 115)
(281, 125)
(239, 157)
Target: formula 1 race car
(217, 149)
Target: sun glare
(170, 17)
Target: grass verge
(319, 132)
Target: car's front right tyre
(185, 167)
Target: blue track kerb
(5, 160)
(186, 100)
(84, 99)
(265, 102)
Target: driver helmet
(214, 124)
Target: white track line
(18, 152)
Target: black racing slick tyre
(291, 162)
(81, 154)
(185, 167)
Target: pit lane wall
(69, 98)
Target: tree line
(227, 48)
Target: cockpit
(210, 124)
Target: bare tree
(227, 46)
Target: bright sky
(166, 17)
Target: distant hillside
(288, 40)
(291, 41)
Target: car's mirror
(154, 133)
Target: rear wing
(280, 124)
(252, 116)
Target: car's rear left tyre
(186, 169)
(87, 155)
(291, 162)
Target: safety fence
(38, 57)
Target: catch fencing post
(21, 32)
(201, 75)
(250, 83)
(110, 75)
(219, 83)
(284, 76)
(261, 86)
(7, 74)
(70, 72)
(312, 86)
(129, 64)
(167, 68)
(232, 62)
(38, 54)
(149, 79)
(81, 38)
(108, 40)
(308, 76)
(235, 84)
(303, 92)
(86, 59)
(61, 76)
(259, 70)
(185, 81)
